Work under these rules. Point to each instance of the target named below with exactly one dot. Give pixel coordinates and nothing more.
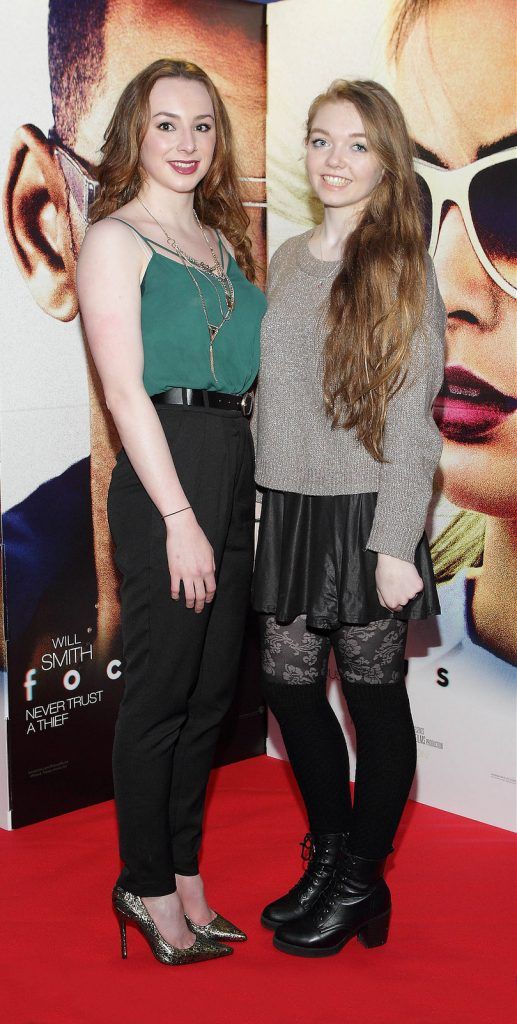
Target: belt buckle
(247, 403)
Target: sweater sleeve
(412, 441)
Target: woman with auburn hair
(352, 359)
(165, 280)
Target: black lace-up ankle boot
(356, 902)
(320, 853)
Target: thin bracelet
(178, 510)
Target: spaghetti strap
(161, 246)
(146, 241)
(151, 241)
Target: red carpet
(448, 959)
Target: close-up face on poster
(451, 65)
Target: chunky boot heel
(320, 853)
(356, 902)
(375, 933)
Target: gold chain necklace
(208, 272)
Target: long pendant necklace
(208, 273)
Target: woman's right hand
(191, 560)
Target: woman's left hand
(397, 582)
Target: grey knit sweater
(296, 448)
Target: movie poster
(65, 64)
(451, 64)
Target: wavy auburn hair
(217, 199)
(377, 298)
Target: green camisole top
(175, 333)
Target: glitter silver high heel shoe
(219, 928)
(129, 907)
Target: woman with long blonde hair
(172, 316)
(352, 359)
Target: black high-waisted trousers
(180, 667)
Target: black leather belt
(208, 399)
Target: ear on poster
(37, 224)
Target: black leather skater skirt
(312, 560)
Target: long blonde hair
(377, 298)
(217, 199)
(404, 16)
(459, 546)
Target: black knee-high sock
(370, 660)
(317, 751)
(386, 762)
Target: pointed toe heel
(130, 908)
(218, 929)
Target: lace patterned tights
(370, 662)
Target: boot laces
(307, 846)
(307, 855)
(336, 890)
(312, 848)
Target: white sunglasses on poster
(484, 192)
